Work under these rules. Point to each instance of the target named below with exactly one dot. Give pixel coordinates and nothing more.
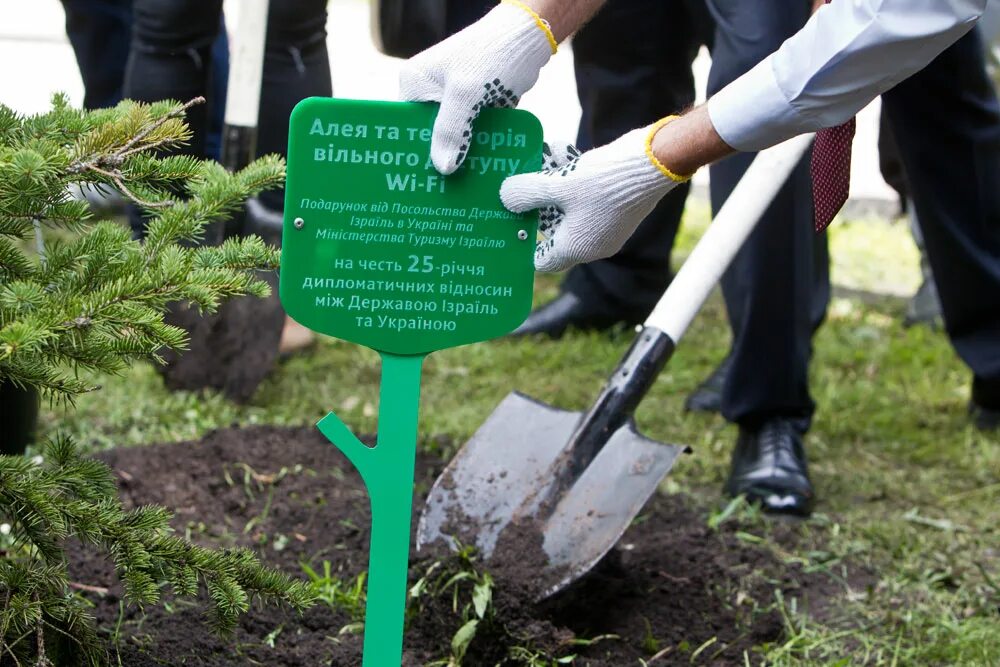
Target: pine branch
(121, 283)
(119, 180)
(109, 164)
(135, 144)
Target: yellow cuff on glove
(542, 23)
(655, 160)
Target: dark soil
(671, 582)
(232, 350)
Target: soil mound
(289, 494)
(232, 350)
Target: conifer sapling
(78, 297)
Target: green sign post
(381, 250)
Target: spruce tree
(78, 296)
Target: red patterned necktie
(831, 171)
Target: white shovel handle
(724, 237)
(246, 64)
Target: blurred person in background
(940, 120)
(924, 307)
(172, 57)
(100, 32)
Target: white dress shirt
(848, 53)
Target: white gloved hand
(591, 203)
(489, 64)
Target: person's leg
(100, 32)
(627, 78)
(217, 91)
(947, 121)
(296, 66)
(924, 307)
(171, 58)
(633, 66)
(770, 288)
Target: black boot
(769, 468)
(924, 306)
(985, 404)
(20, 417)
(569, 311)
(708, 396)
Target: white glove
(489, 64)
(591, 203)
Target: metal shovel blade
(498, 474)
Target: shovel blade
(502, 465)
(597, 510)
(497, 475)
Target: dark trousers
(171, 57)
(947, 125)
(463, 13)
(100, 32)
(946, 121)
(777, 287)
(633, 66)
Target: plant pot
(20, 417)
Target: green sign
(380, 249)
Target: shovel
(578, 479)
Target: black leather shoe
(708, 396)
(985, 404)
(769, 468)
(568, 311)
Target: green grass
(907, 488)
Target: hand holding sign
(381, 250)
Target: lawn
(908, 490)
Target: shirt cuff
(752, 113)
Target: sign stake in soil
(387, 470)
(381, 250)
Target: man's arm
(565, 16)
(845, 56)
(689, 142)
(842, 59)
(848, 53)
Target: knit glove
(489, 64)
(591, 203)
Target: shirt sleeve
(848, 53)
